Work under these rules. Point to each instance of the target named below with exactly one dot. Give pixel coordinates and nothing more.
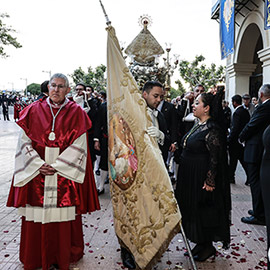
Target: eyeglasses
(79, 89)
(60, 86)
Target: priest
(53, 182)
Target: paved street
(248, 245)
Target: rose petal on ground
(235, 253)
(261, 263)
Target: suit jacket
(170, 115)
(227, 117)
(41, 95)
(239, 119)
(167, 140)
(252, 133)
(101, 126)
(183, 126)
(92, 113)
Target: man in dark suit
(44, 91)
(83, 98)
(170, 115)
(153, 93)
(252, 136)
(101, 144)
(236, 150)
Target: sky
(63, 35)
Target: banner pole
(108, 22)
(188, 248)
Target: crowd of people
(61, 166)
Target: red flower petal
(235, 253)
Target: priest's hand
(47, 169)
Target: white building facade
(249, 66)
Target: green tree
(94, 77)
(181, 89)
(33, 88)
(6, 38)
(196, 72)
(173, 93)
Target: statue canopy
(144, 48)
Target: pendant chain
(54, 116)
(194, 128)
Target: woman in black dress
(203, 190)
(265, 185)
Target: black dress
(265, 183)
(205, 215)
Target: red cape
(70, 123)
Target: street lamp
(26, 85)
(169, 66)
(49, 72)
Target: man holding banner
(146, 214)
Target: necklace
(52, 134)
(194, 128)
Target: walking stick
(194, 267)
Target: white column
(238, 76)
(264, 56)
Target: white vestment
(71, 164)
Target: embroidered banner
(267, 15)
(146, 214)
(226, 27)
